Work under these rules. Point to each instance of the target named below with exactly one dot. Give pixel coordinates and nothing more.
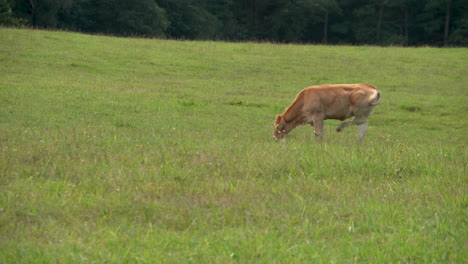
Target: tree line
(377, 22)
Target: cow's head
(280, 128)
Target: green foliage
(382, 22)
(144, 151)
(6, 15)
(119, 17)
(189, 20)
(460, 34)
(123, 16)
(41, 13)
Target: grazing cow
(330, 101)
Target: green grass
(160, 151)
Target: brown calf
(330, 101)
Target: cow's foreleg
(318, 128)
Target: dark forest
(355, 22)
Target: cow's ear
(278, 119)
(279, 122)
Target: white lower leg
(362, 130)
(318, 129)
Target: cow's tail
(376, 98)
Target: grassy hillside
(159, 151)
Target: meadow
(124, 150)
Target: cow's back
(335, 101)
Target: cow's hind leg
(344, 125)
(362, 128)
(360, 122)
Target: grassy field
(157, 151)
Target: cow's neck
(293, 124)
(292, 119)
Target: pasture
(127, 150)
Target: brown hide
(330, 101)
